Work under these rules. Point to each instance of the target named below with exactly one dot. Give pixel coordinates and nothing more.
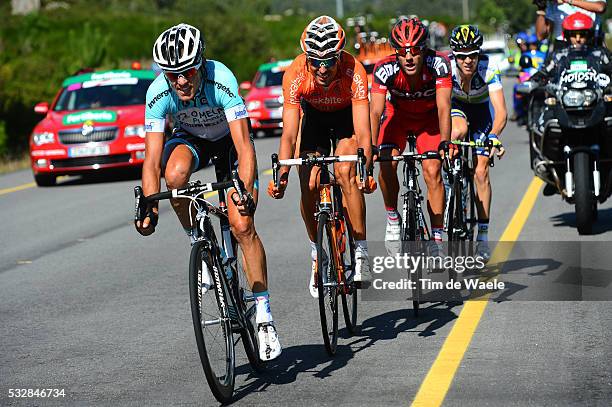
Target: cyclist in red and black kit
(419, 81)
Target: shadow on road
(602, 225)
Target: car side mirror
(246, 86)
(42, 108)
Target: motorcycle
(570, 133)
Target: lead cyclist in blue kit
(477, 89)
(210, 120)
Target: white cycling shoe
(392, 232)
(483, 250)
(362, 268)
(312, 286)
(269, 344)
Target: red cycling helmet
(577, 22)
(408, 33)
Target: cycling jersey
(216, 103)
(350, 85)
(422, 99)
(411, 110)
(556, 13)
(487, 78)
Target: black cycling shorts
(221, 152)
(322, 130)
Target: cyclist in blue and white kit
(210, 122)
(478, 109)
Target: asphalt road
(89, 306)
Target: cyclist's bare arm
(592, 6)
(151, 169)
(443, 103)
(239, 130)
(361, 124)
(291, 124)
(377, 107)
(501, 113)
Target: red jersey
(436, 74)
(349, 86)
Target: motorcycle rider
(578, 32)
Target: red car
(95, 122)
(265, 98)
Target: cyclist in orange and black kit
(331, 88)
(419, 81)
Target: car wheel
(45, 180)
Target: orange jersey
(349, 86)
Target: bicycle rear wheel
(349, 293)
(211, 321)
(327, 284)
(246, 304)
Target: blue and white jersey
(487, 78)
(216, 103)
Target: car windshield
(269, 78)
(77, 97)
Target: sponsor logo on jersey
(221, 87)
(427, 93)
(158, 97)
(239, 114)
(386, 70)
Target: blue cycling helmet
(521, 38)
(532, 39)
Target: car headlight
(573, 98)
(45, 137)
(253, 105)
(132, 131)
(590, 97)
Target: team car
(264, 100)
(95, 122)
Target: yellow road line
(440, 376)
(17, 188)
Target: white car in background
(498, 52)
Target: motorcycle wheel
(583, 194)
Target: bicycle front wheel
(349, 293)
(211, 321)
(327, 283)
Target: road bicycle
(414, 232)
(334, 275)
(222, 304)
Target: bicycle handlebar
(429, 155)
(194, 188)
(359, 158)
(487, 144)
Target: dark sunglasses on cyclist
(415, 51)
(464, 55)
(583, 33)
(327, 63)
(188, 74)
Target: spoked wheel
(211, 322)
(246, 301)
(327, 285)
(349, 294)
(409, 234)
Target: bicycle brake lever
(275, 170)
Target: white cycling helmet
(323, 38)
(178, 48)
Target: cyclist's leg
(481, 122)
(253, 253)
(428, 139)
(313, 140)
(183, 154)
(391, 142)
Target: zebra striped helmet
(323, 38)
